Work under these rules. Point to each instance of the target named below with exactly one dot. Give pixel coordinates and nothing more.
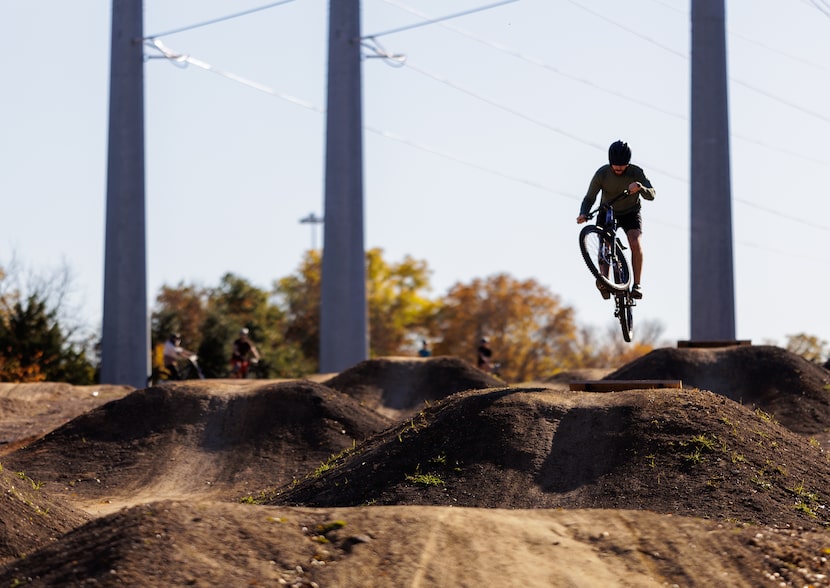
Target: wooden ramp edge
(618, 385)
(710, 344)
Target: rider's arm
(590, 196)
(646, 190)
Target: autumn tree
(610, 350)
(810, 347)
(181, 310)
(533, 335)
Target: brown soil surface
(410, 472)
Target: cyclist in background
(485, 355)
(173, 352)
(612, 179)
(242, 354)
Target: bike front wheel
(604, 257)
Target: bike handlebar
(594, 212)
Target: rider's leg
(636, 246)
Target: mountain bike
(604, 255)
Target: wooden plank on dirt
(701, 344)
(618, 385)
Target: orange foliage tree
(532, 334)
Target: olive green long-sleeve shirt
(612, 185)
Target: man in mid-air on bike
(613, 179)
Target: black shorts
(631, 220)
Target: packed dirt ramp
(680, 452)
(424, 472)
(175, 544)
(196, 439)
(401, 387)
(783, 384)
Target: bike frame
(623, 302)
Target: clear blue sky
(477, 151)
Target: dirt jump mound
(794, 390)
(670, 451)
(399, 388)
(197, 439)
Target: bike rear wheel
(626, 316)
(604, 258)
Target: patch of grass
(331, 462)
(331, 526)
(425, 479)
(428, 479)
(650, 460)
(761, 482)
(35, 485)
(765, 416)
(440, 459)
(776, 468)
(699, 444)
(805, 508)
(803, 493)
(714, 482)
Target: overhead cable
(440, 19)
(216, 20)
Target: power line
(589, 83)
(217, 20)
(822, 5)
(186, 59)
(538, 62)
(440, 19)
(180, 58)
(639, 35)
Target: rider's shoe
(603, 290)
(637, 291)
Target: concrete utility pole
(343, 311)
(712, 287)
(124, 345)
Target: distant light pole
(313, 220)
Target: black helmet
(619, 153)
(175, 337)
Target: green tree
(209, 319)
(237, 304)
(533, 335)
(299, 297)
(40, 335)
(35, 347)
